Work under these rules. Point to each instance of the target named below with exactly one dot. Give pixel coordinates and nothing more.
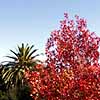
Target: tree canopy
(72, 69)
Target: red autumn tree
(72, 45)
(73, 70)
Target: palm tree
(22, 60)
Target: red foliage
(73, 71)
(47, 84)
(72, 45)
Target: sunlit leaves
(72, 69)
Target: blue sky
(31, 21)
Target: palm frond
(14, 58)
(34, 56)
(30, 55)
(14, 53)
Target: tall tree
(72, 45)
(73, 70)
(23, 59)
